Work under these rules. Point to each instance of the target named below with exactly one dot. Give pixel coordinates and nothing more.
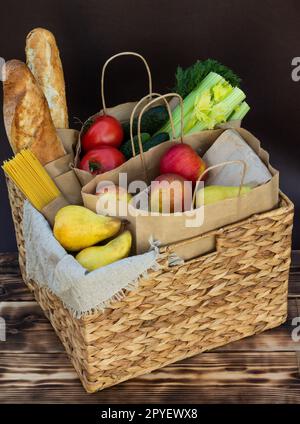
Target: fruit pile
(181, 164)
(79, 230)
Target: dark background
(258, 39)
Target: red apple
(169, 193)
(181, 159)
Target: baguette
(26, 113)
(42, 57)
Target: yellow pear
(97, 256)
(76, 227)
(214, 193)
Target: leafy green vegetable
(211, 103)
(240, 112)
(218, 113)
(207, 107)
(188, 79)
(189, 102)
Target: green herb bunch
(188, 79)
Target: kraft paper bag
(64, 171)
(53, 207)
(172, 228)
(121, 112)
(61, 170)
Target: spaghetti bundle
(32, 179)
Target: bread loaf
(42, 57)
(26, 113)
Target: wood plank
(295, 259)
(73, 393)
(12, 288)
(207, 378)
(9, 262)
(294, 284)
(28, 330)
(294, 280)
(34, 368)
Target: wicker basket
(237, 291)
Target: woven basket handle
(165, 96)
(229, 162)
(159, 96)
(114, 57)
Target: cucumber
(126, 147)
(152, 120)
(156, 140)
(147, 141)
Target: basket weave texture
(237, 291)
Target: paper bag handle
(218, 165)
(164, 96)
(159, 96)
(114, 57)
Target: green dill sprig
(188, 79)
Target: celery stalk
(222, 110)
(233, 100)
(240, 112)
(208, 82)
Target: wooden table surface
(35, 369)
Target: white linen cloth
(48, 264)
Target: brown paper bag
(61, 170)
(121, 112)
(53, 207)
(63, 175)
(172, 228)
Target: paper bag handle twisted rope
(240, 162)
(164, 96)
(134, 112)
(114, 57)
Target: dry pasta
(31, 178)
